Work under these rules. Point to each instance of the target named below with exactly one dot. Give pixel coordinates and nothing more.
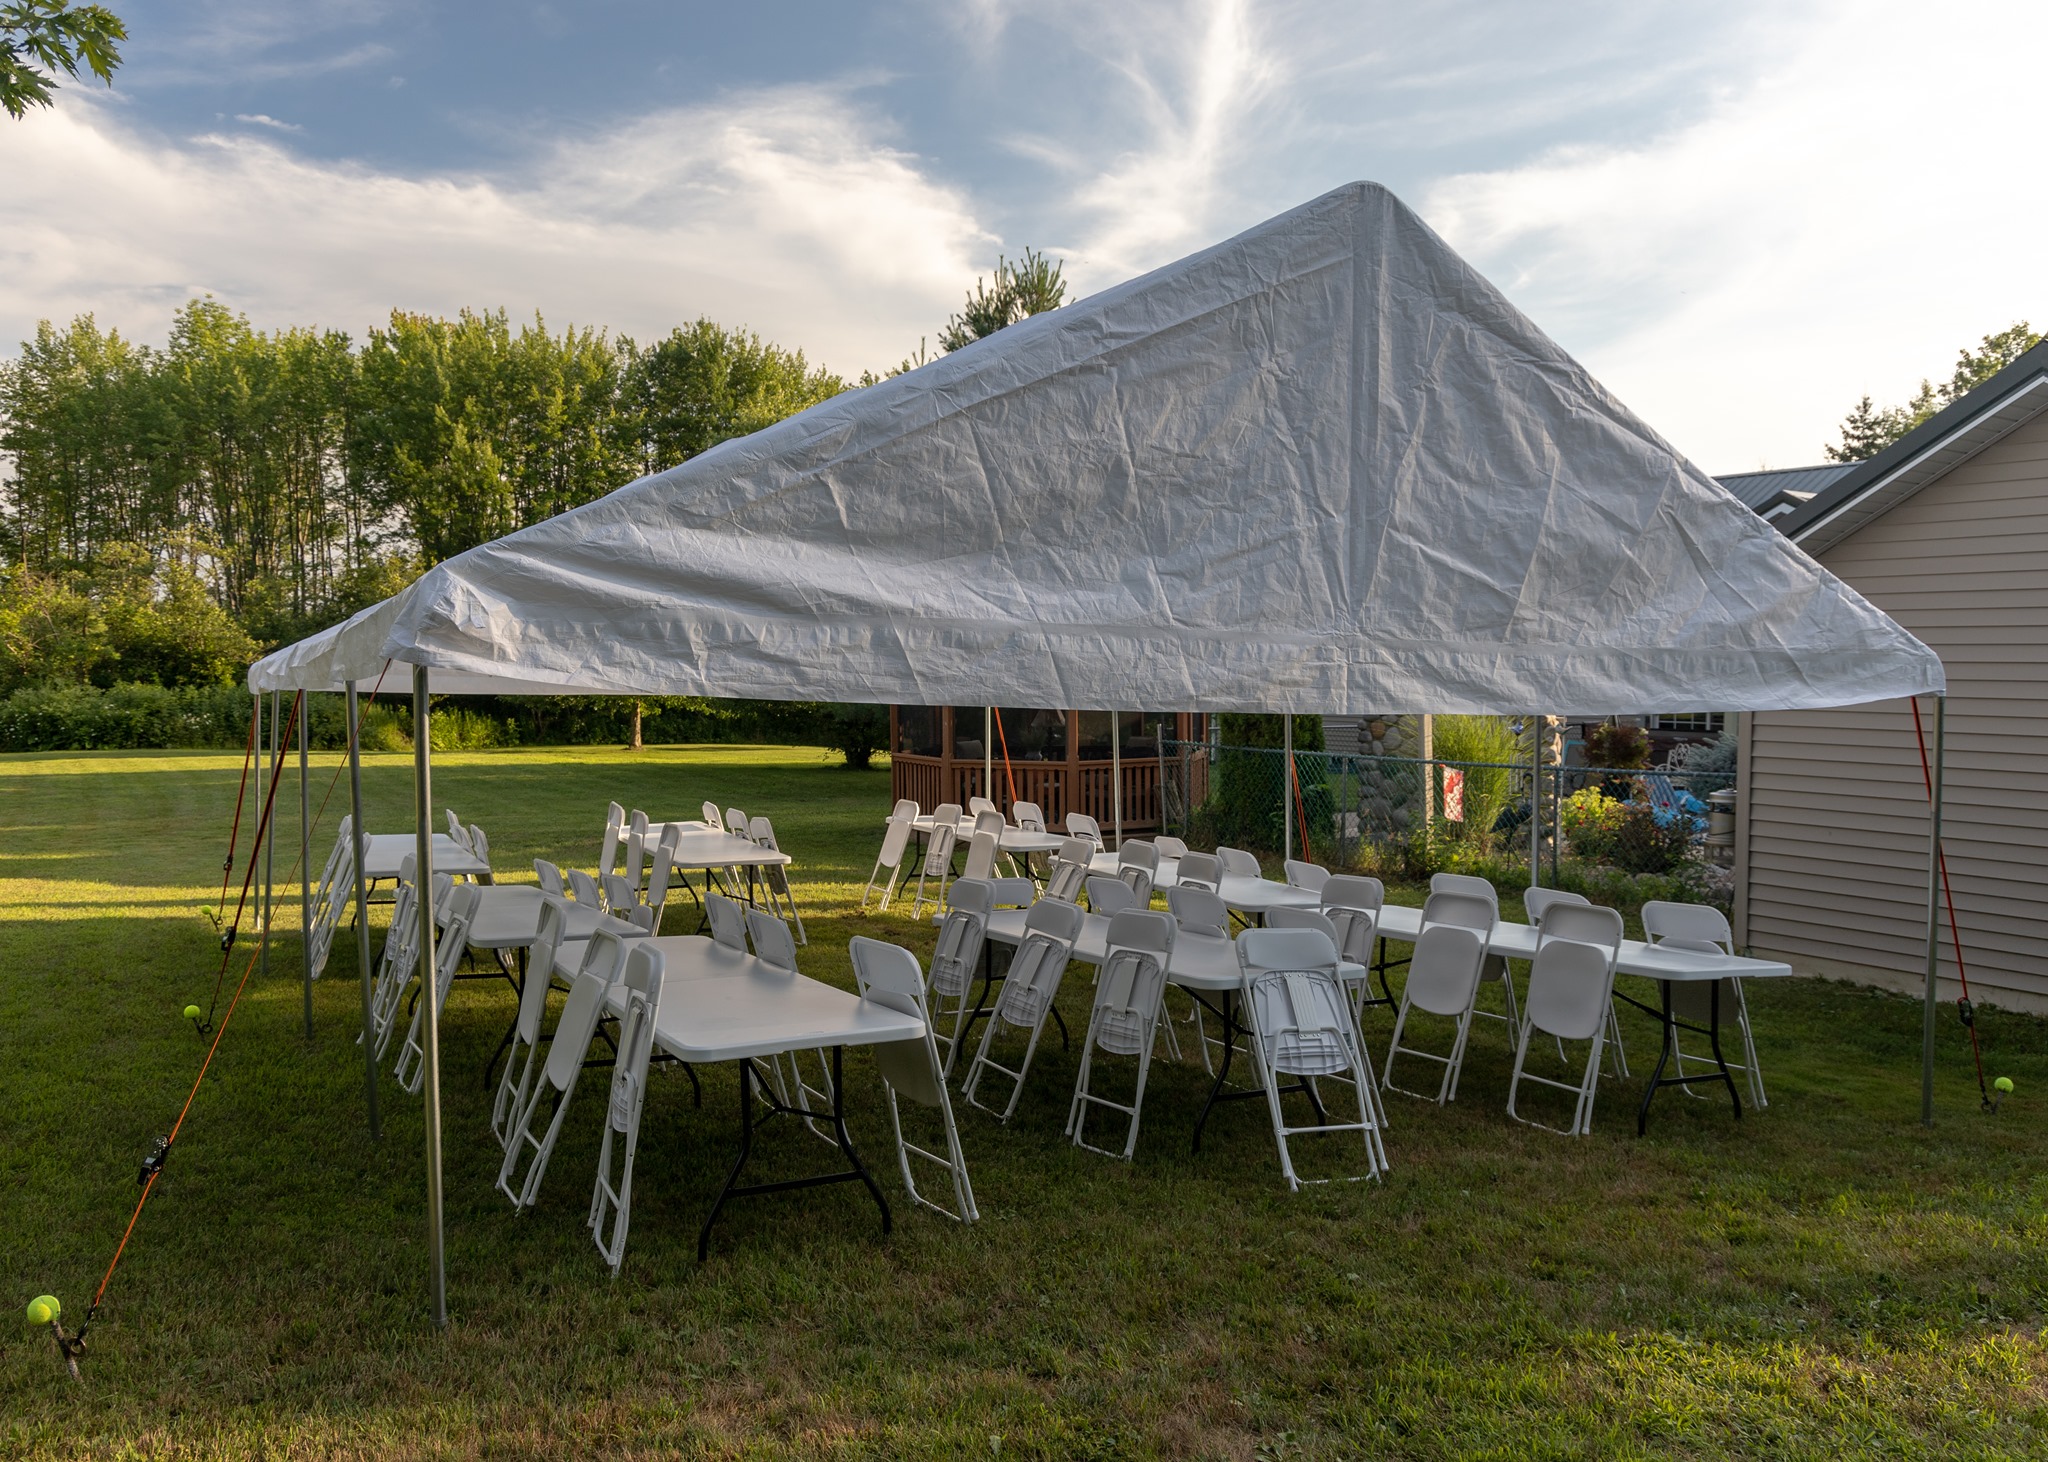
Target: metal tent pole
(358, 840)
(269, 848)
(988, 753)
(1933, 922)
(1116, 772)
(1287, 783)
(423, 814)
(305, 872)
(1536, 803)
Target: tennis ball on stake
(43, 1309)
(2003, 1086)
(191, 1012)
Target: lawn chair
(612, 1199)
(958, 957)
(1703, 928)
(887, 975)
(453, 937)
(895, 843)
(526, 1156)
(1029, 989)
(775, 876)
(1129, 993)
(1571, 987)
(1443, 980)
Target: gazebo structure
(1065, 761)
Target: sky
(1741, 217)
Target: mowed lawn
(1823, 1279)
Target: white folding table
(383, 852)
(1241, 893)
(508, 917)
(1665, 965)
(713, 849)
(720, 1004)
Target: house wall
(1832, 833)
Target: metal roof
(1760, 490)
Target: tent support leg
(270, 849)
(1116, 774)
(358, 837)
(423, 860)
(1286, 784)
(988, 754)
(1933, 924)
(1536, 802)
(305, 874)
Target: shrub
(855, 732)
(1488, 788)
(1617, 748)
(1630, 836)
(84, 718)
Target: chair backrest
(456, 830)
(1015, 893)
(888, 975)
(1033, 980)
(1261, 951)
(1295, 1003)
(1028, 816)
(540, 961)
(550, 878)
(961, 935)
(946, 812)
(583, 888)
(1353, 903)
(981, 855)
(1238, 863)
(1133, 980)
(1081, 825)
(1465, 883)
(479, 844)
(1311, 876)
(1569, 985)
(454, 932)
(1536, 900)
(636, 846)
(1582, 924)
(1199, 870)
(604, 955)
(1170, 847)
(735, 822)
(614, 836)
(1443, 970)
(1198, 911)
(641, 984)
(1138, 854)
(620, 897)
(905, 810)
(1664, 920)
(648, 914)
(713, 819)
(938, 848)
(762, 831)
(580, 1015)
(727, 920)
(1466, 910)
(1067, 876)
(1061, 921)
(1307, 919)
(976, 806)
(772, 942)
(895, 840)
(1110, 896)
(988, 820)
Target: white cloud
(258, 119)
(1842, 223)
(781, 210)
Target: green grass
(1822, 1279)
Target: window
(1705, 722)
(917, 730)
(1032, 735)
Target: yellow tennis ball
(191, 1012)
(2003, 1084)
(43, 1309)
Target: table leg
(846, 1143)
(732, 1175)
(1228, 1016)
(505, 1042)
(1669, 1048)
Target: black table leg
(1669, 1048)
(732, 1175)
(1228, 1016)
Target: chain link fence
(1618, 835)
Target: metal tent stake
(423, 867)
(1933, 923)
(359, 840)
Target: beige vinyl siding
(1833, 839)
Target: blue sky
(1740, 216)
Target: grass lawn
(1824, 1278)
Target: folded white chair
(1570, 985)
(614, 838)
(1137, 864)
(1110, 896)
(775, 876)
(481, 847)
(547, 1102)
(1030, 986)
(453, 937)
(1704, 929)
(611, 1201)
(981, 855)
(957, 958)
(331, 893)
(1301, 1027)
(533, 1003)
(905, 810)
(1443, 980)
(1130, 991)
(1324, 925)
(645, 914)
(887, 975)
(1068, 875)
(636, 847)
(1354, 904)
(457, 832)
(400, 960)
(895, 845)
(937, 864)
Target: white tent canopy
(1322, 467)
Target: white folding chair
(976, 806)
(1324, 925)
(636, 847)
(1703, 928)
(715, 820)
(526, 1156)
(773, 946)
(735, 822)
(905, 810)
(331, 893)
(1199, 870)
(620, 897)
(1198, 911)
(1069, 873)
(481, 847)
(957, 957)
(1310, 876)
(895, 843)
(583, 888)
(1110, 896)
(1129, 994)
(1028, 816)
(1238, 863)
(1536, 900)
(533, 1004)
(1443, 980)
(1589, 924)
(550, 877)
(1467, 886)
(457, 833)
(728, 921)
(938, 863)
(1137, 864)
(614, 838)
(1080, 825)
(775, 876)
(611, 1201)
(1029, 989)
(1169, 847)
(1570, 986)
(399, 962)
(453, 943)
(981, 856)
(644, 910)
(1354, 903)
(1301, 1027)
(887, 975)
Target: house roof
(1872, 488)
(1773, 493)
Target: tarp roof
(1321, 467)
